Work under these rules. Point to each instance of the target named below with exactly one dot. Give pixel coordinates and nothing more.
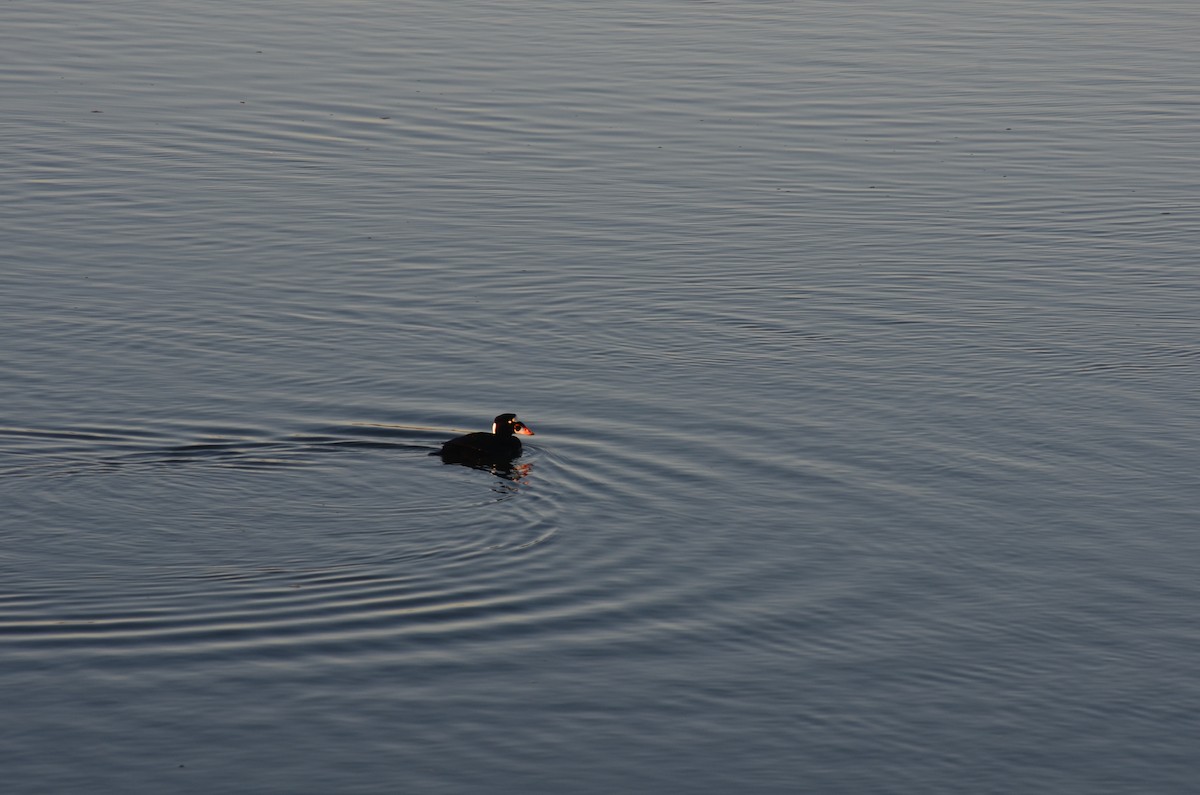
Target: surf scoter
(499, 445)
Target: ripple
(259, 543)
(316, 536)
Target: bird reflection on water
(514, 476)
(508, 470)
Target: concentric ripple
(312, 540)
(327, 537)
(321, 531)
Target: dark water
(860, 340)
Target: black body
(499, 446)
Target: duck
(498, 446)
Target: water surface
(859, 341)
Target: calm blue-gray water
(860, 340)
